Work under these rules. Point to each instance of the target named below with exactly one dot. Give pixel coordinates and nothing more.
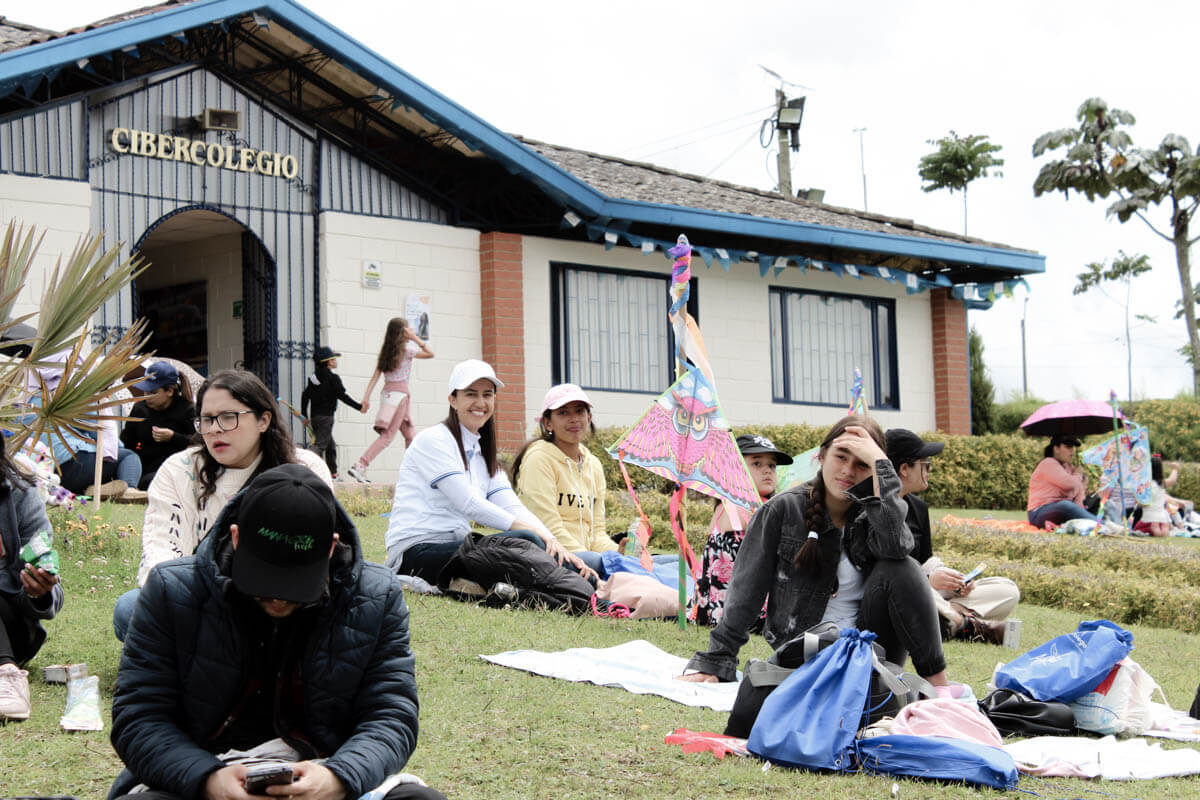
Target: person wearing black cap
(275, 638)
(161, 423)
(323, 389)
(725, 537)
(1057, 487)
(974, 610)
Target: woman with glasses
(242, 434)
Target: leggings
(14, 636)
(898, 607)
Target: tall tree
(1101, 161)
(1124, 269)
(957, 161)
(983, 393)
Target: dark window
(817, 339)
(609, 328)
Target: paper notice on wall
(372, 275)
(416, 311)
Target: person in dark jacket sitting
(274, 641)
(162, 424)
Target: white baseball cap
(564, 393)
(467, 372)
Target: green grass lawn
(492, 732)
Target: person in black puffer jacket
(276, 629)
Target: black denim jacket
(764, 568)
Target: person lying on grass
(834, 549)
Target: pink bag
(944, 716)
(389, 404)
(647, 597)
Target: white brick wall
(736, 327)
(415, 258)
(60, 209)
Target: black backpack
(891, 687)
(1017, 714)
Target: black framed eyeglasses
(926, 464)
(225, 421)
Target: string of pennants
(767, 263)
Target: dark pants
(898, 608)
(426, 561)
(14, 633)
(323, 443)
(78, 473)
(405, 791)
(1059, 512)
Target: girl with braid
(834, 549)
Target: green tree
(983, 393)
(74, 291)
(1124, 269)
(1101, 161)
(957, 161)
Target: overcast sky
(679, 84)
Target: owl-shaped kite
(684, 438)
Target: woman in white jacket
(450, 478)
(243, 434)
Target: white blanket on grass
(636, 666)
(1108, 758)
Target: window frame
(560, 320)
(873, 304)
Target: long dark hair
(544, 435)
(393, 344)
(487, 439)
(275, 443)
(809, 556)
(9, 472)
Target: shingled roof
(650, 183)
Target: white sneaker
(358, 475)
(14, 692)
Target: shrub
(1174, 426)
(1007, 417)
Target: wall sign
(202, 153)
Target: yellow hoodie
(566, 495)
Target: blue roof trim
(20, 65)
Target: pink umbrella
(1076, 417)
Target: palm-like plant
(75, 290)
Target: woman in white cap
(561, 481)
(451, 478)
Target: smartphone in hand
(975, 573)
(258, 778)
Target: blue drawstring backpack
(938, 758)
(1069, 666)
(811, 719)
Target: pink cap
(564, 393)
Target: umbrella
(1076, 417)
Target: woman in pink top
(1057, 486)
(400, 347)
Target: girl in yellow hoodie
(560, 481)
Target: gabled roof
(495, 180)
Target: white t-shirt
(842, 608)
(436, 499)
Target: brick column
(951, 382)
(502, 298)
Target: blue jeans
(427, 560)
(123, 612)
(129, 467)
(1059, 512)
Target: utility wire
(755, 112)
(735, 129)
(736, 150)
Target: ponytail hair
(808, 558)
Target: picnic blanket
(991, 524)
(636, 666)
(1108, 758)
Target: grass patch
(496, 733)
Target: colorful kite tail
(643, 534)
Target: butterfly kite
(683, 436)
